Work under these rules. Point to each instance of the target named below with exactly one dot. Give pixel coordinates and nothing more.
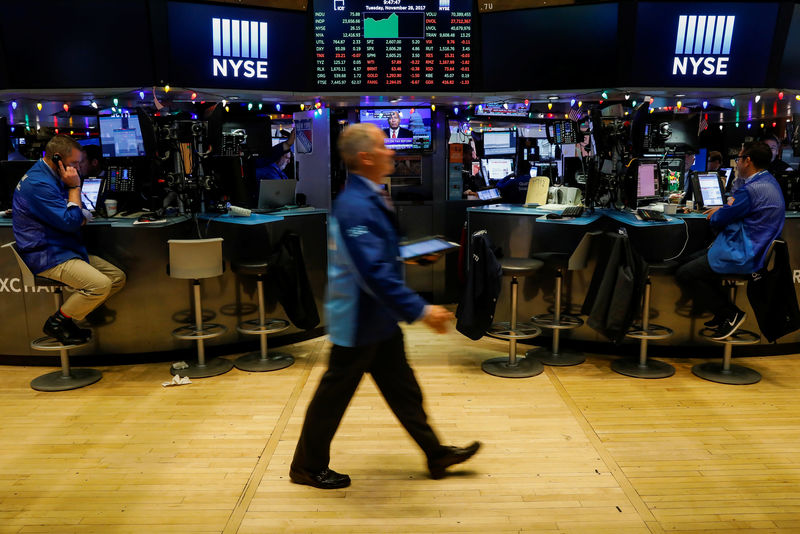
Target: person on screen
(747, 226)
(47, 219)
(395, 130)
(279, 158)
(367, 296)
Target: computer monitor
(499, 142)
(647, 183)
(121, 137)
(700, 160)
(496, 169)
(413, 131)
(90, 192)
(708, 190)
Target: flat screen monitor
(391, 45)
(710, 190)
(647, 183)
(121, 137)
(91, 191)
(700, 160)
(496, 109)
(405, 128)
(237, 47)
(499, 142)
(496, 169)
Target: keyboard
(651, 215)
(572, 211)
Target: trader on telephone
(47, 218)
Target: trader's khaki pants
(93, 282)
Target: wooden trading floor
(573, 450)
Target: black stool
(557, 321)
(67, 378)
(261, 360)
(726, 372)
(195, 259)
(513, 367)
(644, 332)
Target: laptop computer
(274, 194)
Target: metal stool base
(565, 322)
(651, 368)
(524, 368)
(213, 367)
(521, 330)
(206, 331)
(270, 326)
(254, 363)
(564, 357)
(56, 381)
(737, 375)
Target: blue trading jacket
(748, 226)
(366, 293)
(46, 229)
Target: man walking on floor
(366, 298)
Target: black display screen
(414, 45)
(236, 47)
(85, 43)
(550, 48)
(790, 66)
(703, 44)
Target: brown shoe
(451, 456)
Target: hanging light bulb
(194, 96)
(705, 104)
(14, 104)
(733, 102)
(278, 107)
(627, 96)
(797, 97)
(249, 106)
(302, 107)
(633, 103)
(455, 111)
(433, 107)
(93, 104)
(549, 105)
(680, 104)
(317, 105)
(526, 102)
(66, 108)
(224, 103)
(780, 95)
(505, 105)
(572, 102)
(737, 124)
(652, 110)
(227, 108)
(604, 94)
(116, 102)
(166, 88)
(260, 105)
(580, 103)
(758, 99)
(141, 95)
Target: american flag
(703, 123)
(575, 114)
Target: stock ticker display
(393, 44)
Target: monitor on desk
(90, 192)
(274, 194)
(499, 142)
(709, 192)
(496, 169)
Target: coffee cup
(690, 205)
(111, 207)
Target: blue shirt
(47, 228)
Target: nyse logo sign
(703, 45)
(240, 48)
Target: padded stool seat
(511, 366)
(520, 266)
(646, 331)
(726, 372)
(67, 378)
(261, 360)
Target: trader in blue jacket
(747, 225)
(47, 219)
(366, 298)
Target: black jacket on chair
(288, 271)
(617, 286)
(475, 311)
(772, 297)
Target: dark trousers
(704, 285)
(386, 362)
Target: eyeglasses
(739, 158)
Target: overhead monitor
(380, 45)
(121, 137)
(405, 128)
(550, 48)
(703, 44)
(236, 47)
(80, 44)
(496, 169)
(502, 109)
(499, 142)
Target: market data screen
(393, 44)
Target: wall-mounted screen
(236, 47)
(790, 65)
(380, 45)
(53, 44)
(703, 44)
(550, 48)
(405, 129)
(492, 109)
(499, 142)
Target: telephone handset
(56, 160)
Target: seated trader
(714, 161)
(47, 220)
(395, 130)
(746, 226)
(776, 165)
(279, 157)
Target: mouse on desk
(553, 215)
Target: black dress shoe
(451, 456)
(65, 331)
(325, 479)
